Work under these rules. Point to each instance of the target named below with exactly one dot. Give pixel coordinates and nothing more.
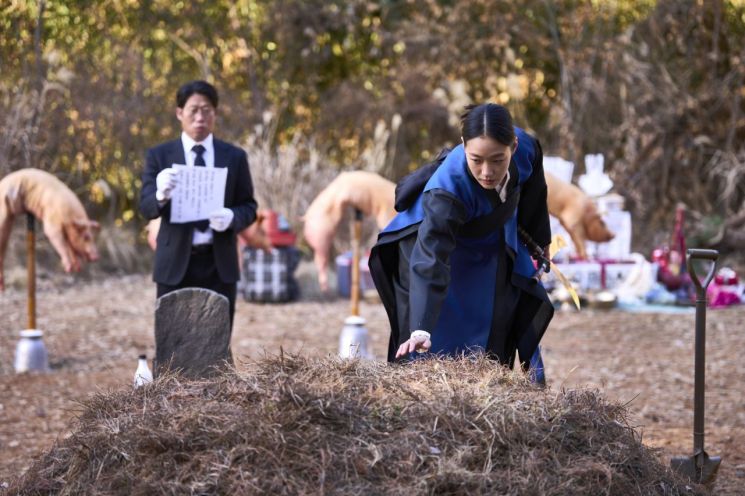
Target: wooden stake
(31, 269)
(355, 283)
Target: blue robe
(452, 263)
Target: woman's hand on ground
(420, 344)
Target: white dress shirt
(209, 150)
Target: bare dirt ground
(94, 331)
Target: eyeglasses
(206, 111)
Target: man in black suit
(199, 254)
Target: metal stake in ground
(353, 337)
(31, 355)
(700, 467)
(355, 284)
(31, 269)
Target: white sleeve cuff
(419, 332)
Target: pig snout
(597, 231)
(321, 261)
(92, 254)
(85, 247)
(83, 243)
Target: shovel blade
(703, 472)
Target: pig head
(319, 231)
(366, 191)
(80, 236)
(66, 224)
(577, 213)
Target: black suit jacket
(175, 240)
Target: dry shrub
(291, 425)
(680, 74)
(121, 251)
(23, 141)
(286, 177)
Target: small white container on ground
(143, 375)
(353, 340)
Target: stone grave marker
(192, 332)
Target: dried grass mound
(294, 425)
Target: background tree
(657, 86)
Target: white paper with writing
(200, 191)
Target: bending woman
(451, 269)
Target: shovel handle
(696, 253)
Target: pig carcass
(577, 213)
(363, 190)
(65, 222)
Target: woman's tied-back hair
(200, 87)
(487, 119)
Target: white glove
(166, 181)
(221, 219)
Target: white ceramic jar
(353, 338)
(31, 354)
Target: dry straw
(292, 425)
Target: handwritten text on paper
(200, 191)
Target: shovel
(700, 467)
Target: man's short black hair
(201, 87)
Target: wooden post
(355, 283)
(31, 269)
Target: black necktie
(199, 150)
(202, 225)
